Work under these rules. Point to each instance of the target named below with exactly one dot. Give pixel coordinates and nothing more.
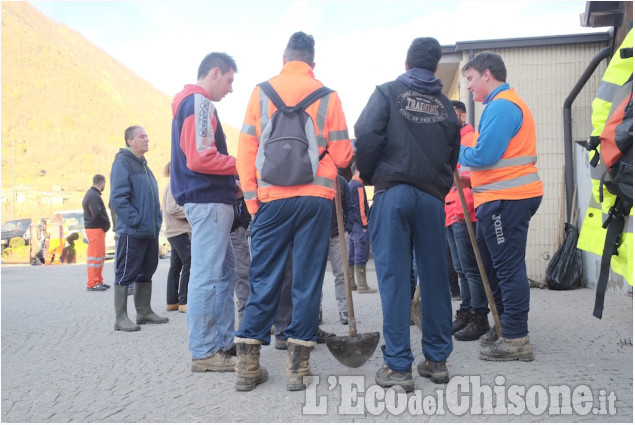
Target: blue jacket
(134, 196)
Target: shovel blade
(353, 351)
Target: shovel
(355, 349)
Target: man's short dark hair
(301, 47)
(222, 61)
(425, 53)
(488, 60)
(129, 133)
(98, 178)
(460, 106)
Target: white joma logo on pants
(498, 227)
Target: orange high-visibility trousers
(95, 256)
(56, 246)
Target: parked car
(13, 228)
(74, 221)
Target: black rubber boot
(461, 321)
(360, 276)
(122, 322)
(479, 325)
(142, 296)
(351, 275)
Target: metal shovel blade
(353, 351)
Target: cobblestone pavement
(63, 362)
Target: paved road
(63, 362)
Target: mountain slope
(70, 103)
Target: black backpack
(288, 151)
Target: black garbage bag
(565, 268)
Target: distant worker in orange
(97, 223)
(56, 231)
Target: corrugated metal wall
(543, 77)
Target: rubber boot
(122, 322)
(249, 373)
(351, 274)
(479, 325)
(142, 296)
(360, 274)
(297, 365)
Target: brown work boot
(249, 373)
(297, 365)
(479, 325)
(436, 371)
(362, 285)
(172, 307)
(505, 350)
(217, 362)
(461, 320)
(351, 274)
(489, 338)
(386, 377)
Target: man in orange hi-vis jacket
(288, 215)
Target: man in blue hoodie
(408, 139)
(134, 197)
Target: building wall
(544, 76)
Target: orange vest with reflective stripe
(515, 175)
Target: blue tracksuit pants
(400, 214)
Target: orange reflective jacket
(295, 82)
(515, 175)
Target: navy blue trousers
(501, 232)
(398, 216)
(304, 224)
(136, 259)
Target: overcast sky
(359, 44)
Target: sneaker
(386, 377)
(322, 335)
(96, 288)
(281, 344)
(105, 285)
(505, 350)
(489, 338)
(344, 318)
(172, 307)
(217, 362)
(436, 371)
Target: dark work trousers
(501, 231)
(179, 273)
(399, 215)
(136, 259)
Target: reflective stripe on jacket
(514, 176)
(592, 234)
(295, 82)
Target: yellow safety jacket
(592, 234)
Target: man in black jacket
(97, 224)
(408, 140)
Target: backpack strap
(303, 104)
(613, 225)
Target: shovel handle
(477, 253)
(352, 324)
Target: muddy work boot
(489, 338)
(217, 362)
(297, 366)
(461, 320)
(122, 322)
(386, 377)
(436, 371)
(142, 296)
(249, 373)
(360, 275)
(478, 326)
(351, 274)
(505, 350)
